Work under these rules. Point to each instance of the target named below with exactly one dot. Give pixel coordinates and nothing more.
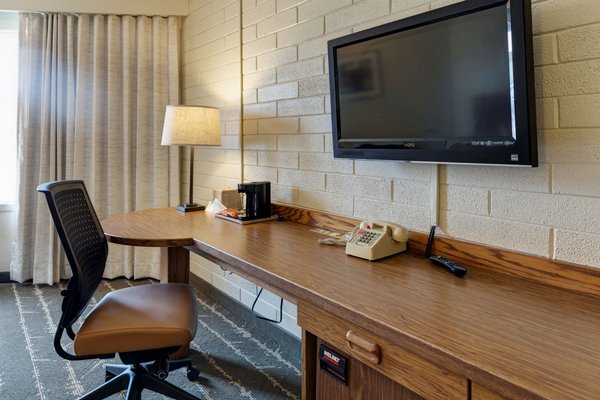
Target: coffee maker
(258, 199)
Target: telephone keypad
(367, 238)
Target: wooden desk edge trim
(573, 277)
(149, 242)
(245, 270)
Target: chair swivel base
(137, 377)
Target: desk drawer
(408, 369)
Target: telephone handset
(377, 239)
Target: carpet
(233, 363)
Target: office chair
(143, 324)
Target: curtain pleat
(92, 97)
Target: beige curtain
(92, 97)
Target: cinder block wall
(212, 75)
(211, 68)
(551, 211)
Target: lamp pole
(191, 201)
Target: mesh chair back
(83, 241)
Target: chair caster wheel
(160, 369)
(193, 373)
(108, 376)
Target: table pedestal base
(175, 267)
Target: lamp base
(190, 207)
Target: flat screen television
(452, 85)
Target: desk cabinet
(365, 383)
(376, 364)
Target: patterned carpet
(233, 363)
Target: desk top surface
(492, 328)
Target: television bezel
(523, 78)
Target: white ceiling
(129, 7)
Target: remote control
(451, 266)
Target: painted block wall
(211, 70)
(551, 211)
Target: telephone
(377, 239)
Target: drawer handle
(368, 350)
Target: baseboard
(5, 277)
(256, 325)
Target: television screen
(453, 86)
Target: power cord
(330, 241)
(266, 318)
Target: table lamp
(191, 126)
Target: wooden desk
(488, 336)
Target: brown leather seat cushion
(139, 318)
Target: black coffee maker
(258, 199)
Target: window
(9, 40)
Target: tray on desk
(247, 222)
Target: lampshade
(191, 125)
